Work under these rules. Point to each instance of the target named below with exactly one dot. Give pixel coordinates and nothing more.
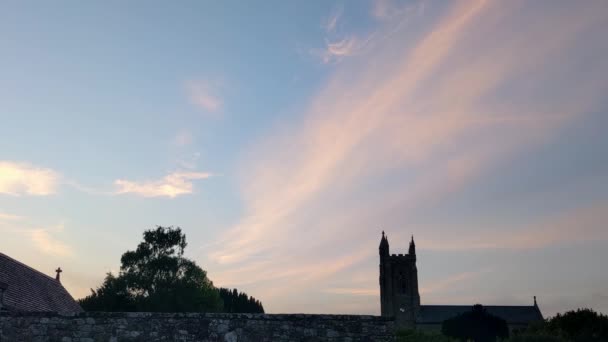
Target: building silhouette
(400, 298)
(25, 289)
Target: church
(24, 289)
(399, 296)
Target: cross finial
(57, 277)
(535, 301)
(383, 233)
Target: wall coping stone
(190, 315)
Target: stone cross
(58, 270)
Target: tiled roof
(512, 314)
(30, 290)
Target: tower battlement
(401, 257)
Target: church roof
(436, 314)
(30, 290)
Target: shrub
(476, 325)
(411, 335)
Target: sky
(283, 137)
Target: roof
(31, 290)
(433, 314)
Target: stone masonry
(115, 327)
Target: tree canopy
(235, 301)
(157, 277)
(580, 325)
(476, 325)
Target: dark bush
(476, 325)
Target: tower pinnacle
(384, 249)
(412, 250)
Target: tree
(240, 302)
(413, 335)
(477, 325)
(580, 325)
(112, 295)
(156, 277)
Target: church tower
(399, 296)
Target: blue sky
(283, 137)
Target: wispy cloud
(577, 225)
(450, 281)
(205, 95)
(172, 185)
(348, 46)
(24, 179)
(375, 292)
(9, 217)
(389, 9)
(429, 110)
(183, 138)
(337, 44)
(43, 239)
(331, 23)
(341, 46)
(189, 161)
(46, 242)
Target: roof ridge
(491, 305)
(30, 268)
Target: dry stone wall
(115, 327)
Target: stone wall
(110, 327)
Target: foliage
(411, 335)
(112, 295)
(477, 325)
(536, 338)
(239, 302)
(579, 325)
(156, 277)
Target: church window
(403, 283)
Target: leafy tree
(240, 302)
(112, 295)
(476, 325)
(580, 325)
(536, 338)
(156, 277)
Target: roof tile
(31, 290)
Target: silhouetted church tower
(399, 295)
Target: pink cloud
(421, 114)
(331, 23)
(183, 138)
(204, 95)
(578, 225)
(9, 217)
(173, 185)
(25, 179)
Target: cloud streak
(578, 225)
(183, 138)
(173, 185)
(9, 217)
(331, 23)
(341, 47)
(450, 281)
(204, 95)
(24, 179)
(48, 244)
(428, 109)
(337, 45)
(44, 240)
